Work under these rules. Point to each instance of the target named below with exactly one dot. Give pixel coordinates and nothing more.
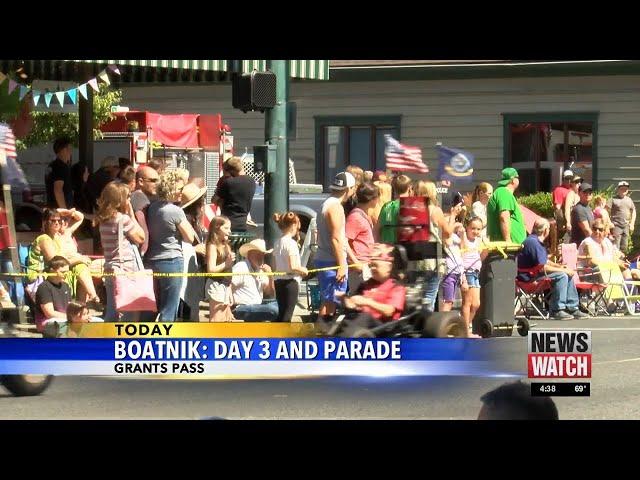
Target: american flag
(7, 140)
(403, 158)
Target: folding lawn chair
(534, 293)
(619, 289)
(594, 292)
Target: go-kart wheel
(486, 328)
(523, 327)
(363, 333)
(443, 325)
(26, 385)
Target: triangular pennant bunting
(47, 98)
(114, 69)
(73, 93)
(2, 77)
(83, 90)
(23, 91)
(104, 77)
(94, 84)
(36, 98)
(60, 97)
(12, 86)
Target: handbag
(133, 293)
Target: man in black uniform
(58, 177)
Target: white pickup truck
(304, 199)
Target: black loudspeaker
(254, 91)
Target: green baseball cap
(508, 174)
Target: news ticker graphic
(167, 349)
(559, 354)
(560, 389)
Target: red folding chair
(533, 293)
(593, 292)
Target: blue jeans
(564, 295)
(167, 289)
(267, 311)
(110, 313)
(431, 285)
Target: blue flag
(455, 165)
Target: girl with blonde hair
(481, 196)
(220, 259)
(441, 227)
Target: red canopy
(179, 130)
(173, 130)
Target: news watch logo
(559, 354)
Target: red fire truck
(196, 142)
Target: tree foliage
(47, 126)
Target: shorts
(473, 278)
(449, 284)
(327, 282)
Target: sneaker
(577, 313)
(561, 315)
(637, 307)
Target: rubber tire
(363, 333)
(486, 328)
(443, 325)
(523, 327)
(20, 387)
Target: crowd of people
(152, 218)
(354, 219)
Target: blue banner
(241, 349)
(455, 165)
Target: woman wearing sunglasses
(50, 244)
(598, 249)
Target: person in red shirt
(559, 194)
(359, 229)
(381, 298)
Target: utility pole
(276, 185)
(85, 140)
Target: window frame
(551, 117)
(372, 121)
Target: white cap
(567, 173)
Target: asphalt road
(615, 390)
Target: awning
(160, 71)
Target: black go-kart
(416, 321)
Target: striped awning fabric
(149, 71)
(311, 69)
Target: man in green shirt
(388, 217)
(504, 217)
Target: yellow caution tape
(180, 274)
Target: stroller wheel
(486, 328)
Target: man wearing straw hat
(249, 285)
